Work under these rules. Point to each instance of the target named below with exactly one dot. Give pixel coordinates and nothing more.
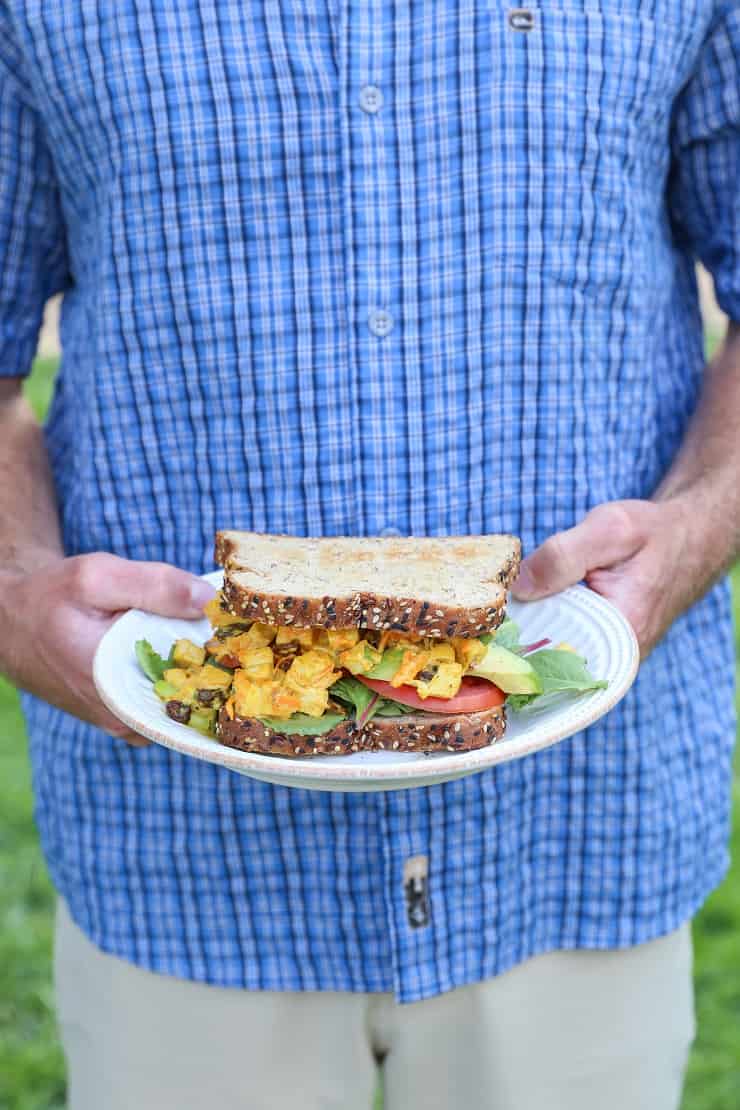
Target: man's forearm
(705, 475)
(29, 522)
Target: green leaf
(152, 664)
(559, 672)
(353, 693)
(563, 670)
(359, 697)
(388, 708)
(518, 702)
(300, 724)
(507, 635)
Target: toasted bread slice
(436, 586)
(423, 732)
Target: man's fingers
(135, 741)
(120, 731)
(109, 583)
(607, 535)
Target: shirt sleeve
(33, 255)
(704, 187)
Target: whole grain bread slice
(434, 585)
(413, 733)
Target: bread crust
(413, 733)
(364, 609)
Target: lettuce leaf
(506, 636)
(152, 664)
(517, 702)
(388, 708)
(563, 670)
(300, 724)
(364, 701)
(352, 693)
(558, 671)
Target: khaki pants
(564, 1031)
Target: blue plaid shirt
(371, 267)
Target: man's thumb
(110, 583)
(600, 540)
(558, 563)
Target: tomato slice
(474, 695)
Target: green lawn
(31, 1065)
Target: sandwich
(339, 645)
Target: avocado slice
(510, 672)
(388, 665)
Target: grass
(40, 385)
(31, 1063)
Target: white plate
(577, 615)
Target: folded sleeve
(704, 185)
(33, 256)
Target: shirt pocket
(593, 54)
(581, 100)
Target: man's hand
(646, 557)
(51, 621)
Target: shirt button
(390, 532)
(380, 322)
(371, 98)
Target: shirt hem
(569, 940)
